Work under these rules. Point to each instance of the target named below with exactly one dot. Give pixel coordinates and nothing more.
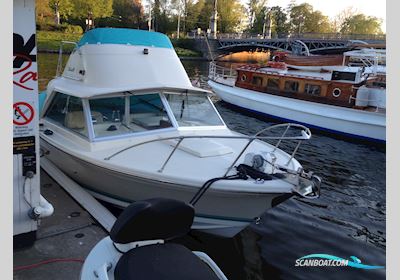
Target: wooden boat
(312, 60)
(349, 100)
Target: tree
(97, 8)
(298, 16)
(341, 17)
(304, 19)
(256, 10)
(61, 8)
(230, 14)
(361, 24)
(43, 9)
(193, 11)
(279, 21)
(130, 12)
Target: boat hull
(215, 210)
(352, 123)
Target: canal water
(347, 220)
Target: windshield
(128, 114)
(193, 110)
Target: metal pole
(149, 19)
(179, 19)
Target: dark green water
(348, 219)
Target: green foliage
(50, 40)
(186, 53)
(43, 10)
(98, 8)
(128, 11)
(303, 19)
(183, 43)
(279, 21)
(361, 24)
(64, 7)
(296, 18)
(257, 11)
(230, 14)
(73, 29)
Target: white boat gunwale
(106, 164)
(327, 106)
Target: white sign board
(26, 191)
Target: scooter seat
(162, 262)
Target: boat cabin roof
(109, 60)
(125, 36)
(324, 73)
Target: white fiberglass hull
(345, 121)
(217, 209)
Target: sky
(331, 8)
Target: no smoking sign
(23, 113)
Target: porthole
(243, 78)
(336, 92)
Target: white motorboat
(349, 100)
(124, 121)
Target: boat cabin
(330, 85)
(126, 82)
(129, 114)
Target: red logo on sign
(27, 75)
(23, 113)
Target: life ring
(336, 92)
(243, 77)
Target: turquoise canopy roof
(125, 36)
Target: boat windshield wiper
(182, 107)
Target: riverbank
(49, 42)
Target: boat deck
(69, 234)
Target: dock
(63, 239)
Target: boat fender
(336, 92)
(48, 132)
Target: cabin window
(148, 112)
(291, 86)
(312, 89)
(257, 81)
(67, 111)
(128, 114)
(273, 83)
(193, 110)
(346, 76)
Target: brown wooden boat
(312, 60)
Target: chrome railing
(217, 71)
(60, 54)
(305, 134)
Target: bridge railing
(323, 36)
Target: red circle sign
(23, 113)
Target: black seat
(162, 262)
(155, 219)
